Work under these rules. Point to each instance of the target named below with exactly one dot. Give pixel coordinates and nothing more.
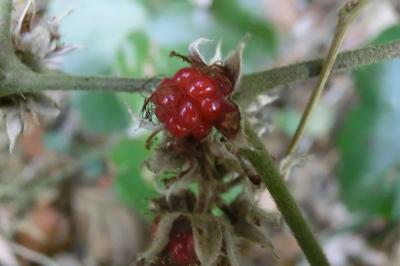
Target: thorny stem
(347, 14)
(275, 183)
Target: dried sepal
(207, 233)
(161, 238)
(36, 37)
(253, 233)
(163, 160)
(42, 105)
(194, 50)
(223, 156)
(249, 220)
(233, 64)
(183, 181)
(290, 162)
(231, 245)
(14, 123)
(231, 124)
(14, 109)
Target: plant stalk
(265, 166)
(347, 14)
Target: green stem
(251, 85)
(347, 15)
(5, 38)
(258, 83)
(24, 81)
(264, 164)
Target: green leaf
(131, 185)
(368, 141)
(101, 112)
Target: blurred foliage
(101, 112)
(130, 185)
(368, 141)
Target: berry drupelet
(195, 100)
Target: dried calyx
(37, 44)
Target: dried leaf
(42, 105)
(7, 257)
(162, 160)
(161, 237)
(207, 238)
(14, 126)
(194, 50)
(231, 245)
(222, 154)
(182, 182)
(217, 55)
(234, 64)
(289, 162)
(253, 233)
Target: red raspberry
(185, 77)
(193, 101)
(225, 85)
(176, 128)
(211, 108)
(202, 88)
(189, 113)
(181, 248)
(167, 95)
(202, 130)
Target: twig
(32, 255)
(19, 82)
(5, 18)
(264, 164)
(347, 14)
(257, 83)
(251, 85)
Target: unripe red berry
(176, 128)
(202, 88)
(202, 130)
(185, 77)
(195, 100)
(211, 108)
(225, 86)
(189, 114)
(163, 114)
(167, 95)
(181, 248)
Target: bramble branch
(262, 161)
(347, 14)
(257, 83)
(16, 78)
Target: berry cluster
(193, 101)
